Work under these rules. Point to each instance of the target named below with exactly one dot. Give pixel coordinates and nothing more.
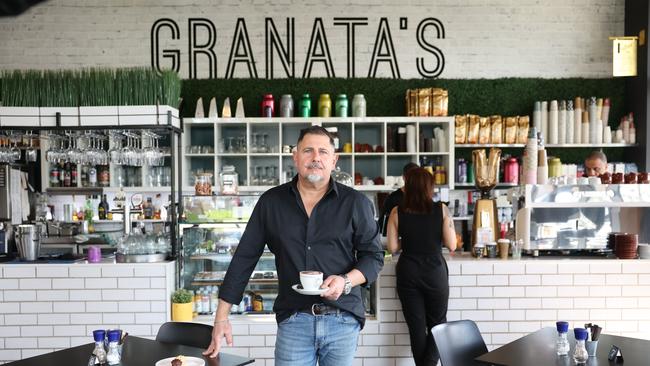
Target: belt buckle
(313, 312)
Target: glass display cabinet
(211, 227)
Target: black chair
(187, 334)
(458, 342)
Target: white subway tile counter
(45, 307)
(61, 304)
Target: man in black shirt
(393, 200)
(311, 224)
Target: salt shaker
(580, 355)
(562, 343)
(113, 357)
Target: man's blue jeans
(303, 339)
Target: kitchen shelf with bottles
(210, 230)
(259, 148)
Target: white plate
(298, 288)
(189, 361)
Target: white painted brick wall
(485, 39)
(49, 307)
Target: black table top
(136, 351)
(539, 349)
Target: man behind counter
(595, 164)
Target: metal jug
(28, 241)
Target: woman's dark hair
(418, 191)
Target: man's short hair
(408, 167)
(597, 154)
(315, 130)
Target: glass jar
(334, 131)
(104, 176)
(341, 105)
(555, 167)
(342, 177)
(229, 180)
(358, 106)
(203, 184)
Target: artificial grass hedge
(385, 97)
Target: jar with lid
(358, 106)
(341, 105)
(229, 180)
(554, 167)
(104, 176)
(305, 106)
(324, 106)
(203, 184)
(268, 105)
(511, 173)
(461, 171)
(334, 131)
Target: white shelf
(283, 131)
(201, 155)
(462, 218)
(502, 185)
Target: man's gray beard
(314, 178)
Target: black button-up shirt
(340, 235)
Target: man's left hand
(336, 284)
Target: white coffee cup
(311, 280)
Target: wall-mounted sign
(200, 39)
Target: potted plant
(182, 306)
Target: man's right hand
(221, 329)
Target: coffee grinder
(486, 226)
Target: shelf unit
(243, 135)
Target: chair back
(188, 334)
(458, 342)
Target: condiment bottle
(99, 353)
(562, 343)
(113, 357)
(580, 354)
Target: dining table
(538, 348)
(136, 351)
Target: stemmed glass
(254, 147)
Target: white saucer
(298, 288)
(189, 361)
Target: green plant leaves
(89, 87)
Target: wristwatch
(348, 285)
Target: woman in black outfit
(420, 227)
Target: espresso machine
(486, 169)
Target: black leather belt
(321, 309)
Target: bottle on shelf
(88, 215)
(92, 176)
(103, 208)
(147, 209)
(67, 176)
